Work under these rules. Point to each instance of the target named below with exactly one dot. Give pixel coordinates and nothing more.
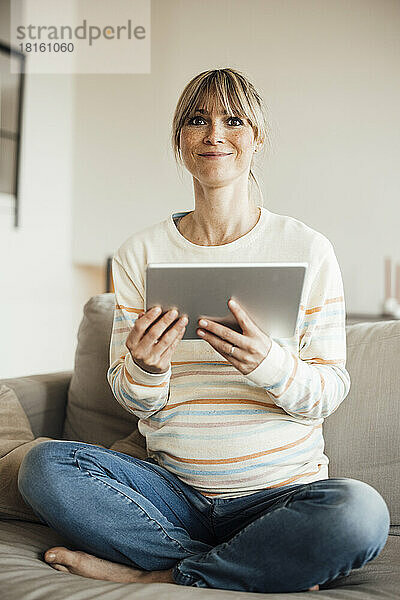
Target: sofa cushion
(43, 397)
(362, 435)
(93, 415)
(16, 438)
(24, 575)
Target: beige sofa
(362, 442)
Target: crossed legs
(126, 522)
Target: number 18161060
(47, 47)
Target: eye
(193, 119)
(236, 119)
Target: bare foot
(87, 565)
(78, 562)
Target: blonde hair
(232, 91)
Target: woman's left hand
(251, 347)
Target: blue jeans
(137, 513)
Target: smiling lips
(215, 154)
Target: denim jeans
(137, 513)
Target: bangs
(223, 93)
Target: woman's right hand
(149, 344)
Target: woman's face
(217, 132)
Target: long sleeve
(313, 383)
(138, 391)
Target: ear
(259, 144)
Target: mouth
(215, 154)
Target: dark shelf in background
(352, 318)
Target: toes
(61, 555)
(60, 567)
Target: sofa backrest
(361, 436)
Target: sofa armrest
(43, 398)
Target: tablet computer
(269, 292)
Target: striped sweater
(224, 433)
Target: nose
(214, 133)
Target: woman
(233, 492)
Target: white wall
(330, 76)
(41, 293)
(97, 162)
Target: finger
(238, 364)
(169, 336)
(141, 324)
(146, 318)
(156, 330)
(168, 352)
(242, 317)
(225, 333)
(224, 347)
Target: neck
(217, 232)
(220, 217)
